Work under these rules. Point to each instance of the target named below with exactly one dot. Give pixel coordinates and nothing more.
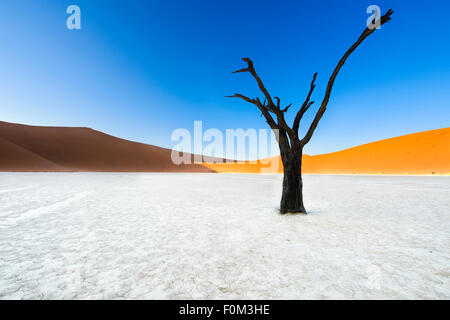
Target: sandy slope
(425, 152)
(32, 148)
(15, 157)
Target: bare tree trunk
(292, 196)
(291, 146)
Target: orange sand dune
(32, 148)
(425, 152)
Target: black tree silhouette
(290, 144)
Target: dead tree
(290, 144)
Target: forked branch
(261, 107)
(261, 86)
(305, 106)
(270, 106)
(367, 32)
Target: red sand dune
(32, 148)
(425, 152)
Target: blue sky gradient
(140, 69)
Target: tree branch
(260, 106)
(287, 108)
(282, 124)
(305, 106)
(261, 86)
(267, 115)
(278, 102)
(367, 32)
(237, 95)
(270, 104)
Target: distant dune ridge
(425, 152)
(61, 149)
(32, 148)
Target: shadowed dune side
(33, 148)
(14, 158)
(426, 152)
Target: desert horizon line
(28, 148)
(211, 156)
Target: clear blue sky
(140, 69)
